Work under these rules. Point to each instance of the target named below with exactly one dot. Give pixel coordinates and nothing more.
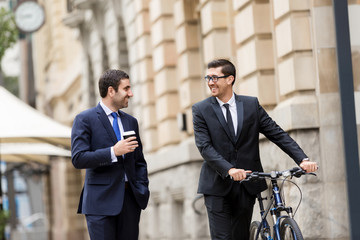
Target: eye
(211, 78)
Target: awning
(21, 123)
(31, 152)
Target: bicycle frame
(275, 207)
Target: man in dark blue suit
(116, 181)
(226, 128)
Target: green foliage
(11, 83)
(8, 31)
(4, 216)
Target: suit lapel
(106, 123)
(218, 112)
(240, 116)
(124, 121)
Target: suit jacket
(104, 187)
(222, 152)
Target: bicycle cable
(283, 196)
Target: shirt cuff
(113, 156)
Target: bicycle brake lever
(299, 172)
(248, 178)
(245, 180)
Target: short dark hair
(111, 78)
(227, 68)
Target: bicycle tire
(253, 230)
(289, 230)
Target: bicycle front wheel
(253, 230)
(289, 230)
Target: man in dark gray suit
(226, 128)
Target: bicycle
(284, 226)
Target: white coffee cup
(128, 134)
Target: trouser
(230, 216)
(124, 226)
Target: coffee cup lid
(132, 132)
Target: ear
(230, 80)
(111, 91)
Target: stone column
(189, 75)
(137, 29)
(255, 56)
(332, 153)
(65, 182)
(214, 30)
(164, 65)
(297, 110)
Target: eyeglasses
(214, 78)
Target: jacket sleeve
(81, 153)
(277, 135)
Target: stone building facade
(285, 55)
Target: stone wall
(284, 51)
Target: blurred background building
(285, 54)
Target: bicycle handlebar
(294, 172)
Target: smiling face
(221, 89)
(120, 98)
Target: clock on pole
(29, 16)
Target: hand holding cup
(128, 144)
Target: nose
(130, 93)
(211, 82)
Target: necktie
(116, 126)
(117, 131)
(229, 120)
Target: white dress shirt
(111, 119)
(233, 110)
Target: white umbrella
(26, 135)
(30, 152)
(21, 123)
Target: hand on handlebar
(274, 175)
(309, 166)
(238, 174)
